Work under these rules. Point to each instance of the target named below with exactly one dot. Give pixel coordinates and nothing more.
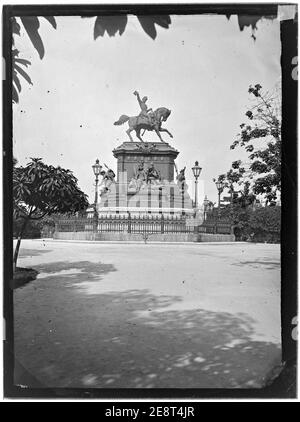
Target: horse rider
(146, 112)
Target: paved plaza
(115, 315)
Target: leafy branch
(261, 138)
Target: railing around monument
(142, 224)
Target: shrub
(265, 224)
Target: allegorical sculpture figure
(180, 177)
(140, 173)
(108, 177)
(153, 175)
(143, 176)
(147, 119)
(139, 177)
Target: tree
(253, 222)
(41, 190)
(261, 138)
(265, 223)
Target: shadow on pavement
(77, 272)
(28, 253)
(268, 265)
(131, 338)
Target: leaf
(248, 20)
(52, 20)
(148, 26)
(31, 25)
(23, 73)
(24, 62)
(148, 23)
(18, 70)
(98, 28)
(15, 27)
(15, 95)
(162, 20)
(110, 24)
(16, 81)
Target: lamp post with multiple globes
(220, 187)
(96, 169)
(196, 172)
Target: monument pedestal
(161, 154)
(137, 195)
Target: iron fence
(141, 224)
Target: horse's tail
(122, 119)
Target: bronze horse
(152, 122)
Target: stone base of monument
(147, 237)
(209, 237)
(143, 237)
(165, 198)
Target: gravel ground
(148, 315)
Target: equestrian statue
(147, 120)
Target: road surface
(148, 315)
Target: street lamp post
(231, 209)
(96, 169)
(220, 187)
(196, 172)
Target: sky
(200, 68)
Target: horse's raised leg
(158, 134)
(128, 133)
(166, 130)
(138, 134)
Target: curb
(135, 242)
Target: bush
(265, 224)
(23, 276)
(33, 230)
(255, 224)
